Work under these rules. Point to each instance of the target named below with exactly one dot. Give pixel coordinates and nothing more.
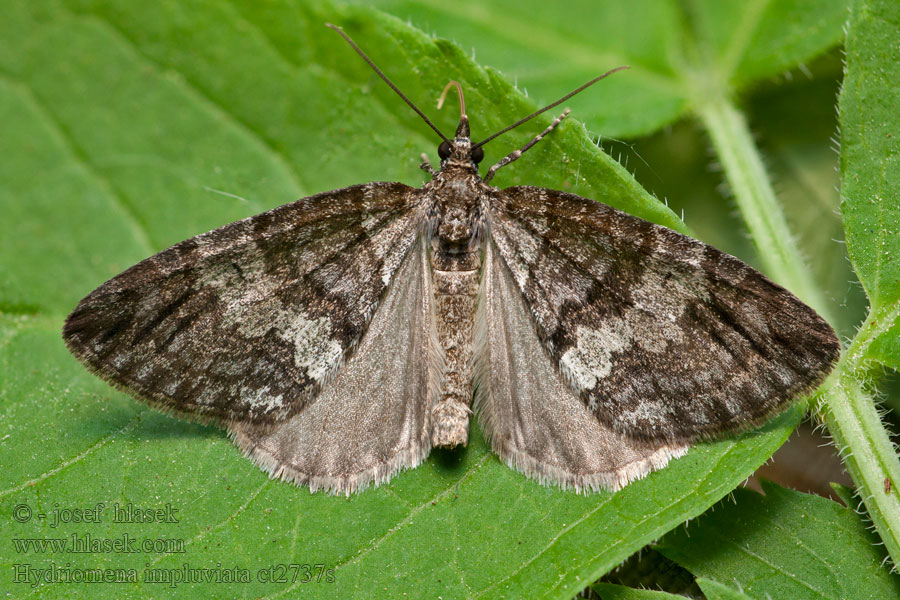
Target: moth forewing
(374, 417)
(531, 417)
(662, 336)
(247, 322)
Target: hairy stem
(755, 198)
(847, 410)
(867, 452)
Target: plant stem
(867, 453)
(755, 198)
(848, 411)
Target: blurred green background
(129, 127)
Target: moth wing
(249, 321)
(530, 416)
(373, 418)
(660, 335)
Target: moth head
(459, 150)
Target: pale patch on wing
(579, 374)
(592, 357)
(530, 416)
(373, 418)
(314, 348)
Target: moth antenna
(462, 100)
(384, 77)
(549, 106)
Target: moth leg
(516, 154)
(426, 165)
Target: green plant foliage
(678, 51)
(870, 167)
(714, 590)
(783, 545)
(609, 591)
(869, 203)
(129, 126)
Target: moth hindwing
(341, 337)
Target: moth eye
(478, 155)
(444, 150)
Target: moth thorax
(457, 225)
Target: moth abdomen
(455, 263)
(455, 302)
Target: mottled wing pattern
(373, 418)
(531, 418)
(662, 337)
(248, 321)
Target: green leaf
(746, 41)
(677, 50)
(713, 590)
(870, 169)
(610, 591)
(846, 494)
(784, 545)
(869, 203)
(130, 127)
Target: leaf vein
(220, 524)
(196, 90)
(75, 459)
(67, 141)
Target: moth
(340, 338)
